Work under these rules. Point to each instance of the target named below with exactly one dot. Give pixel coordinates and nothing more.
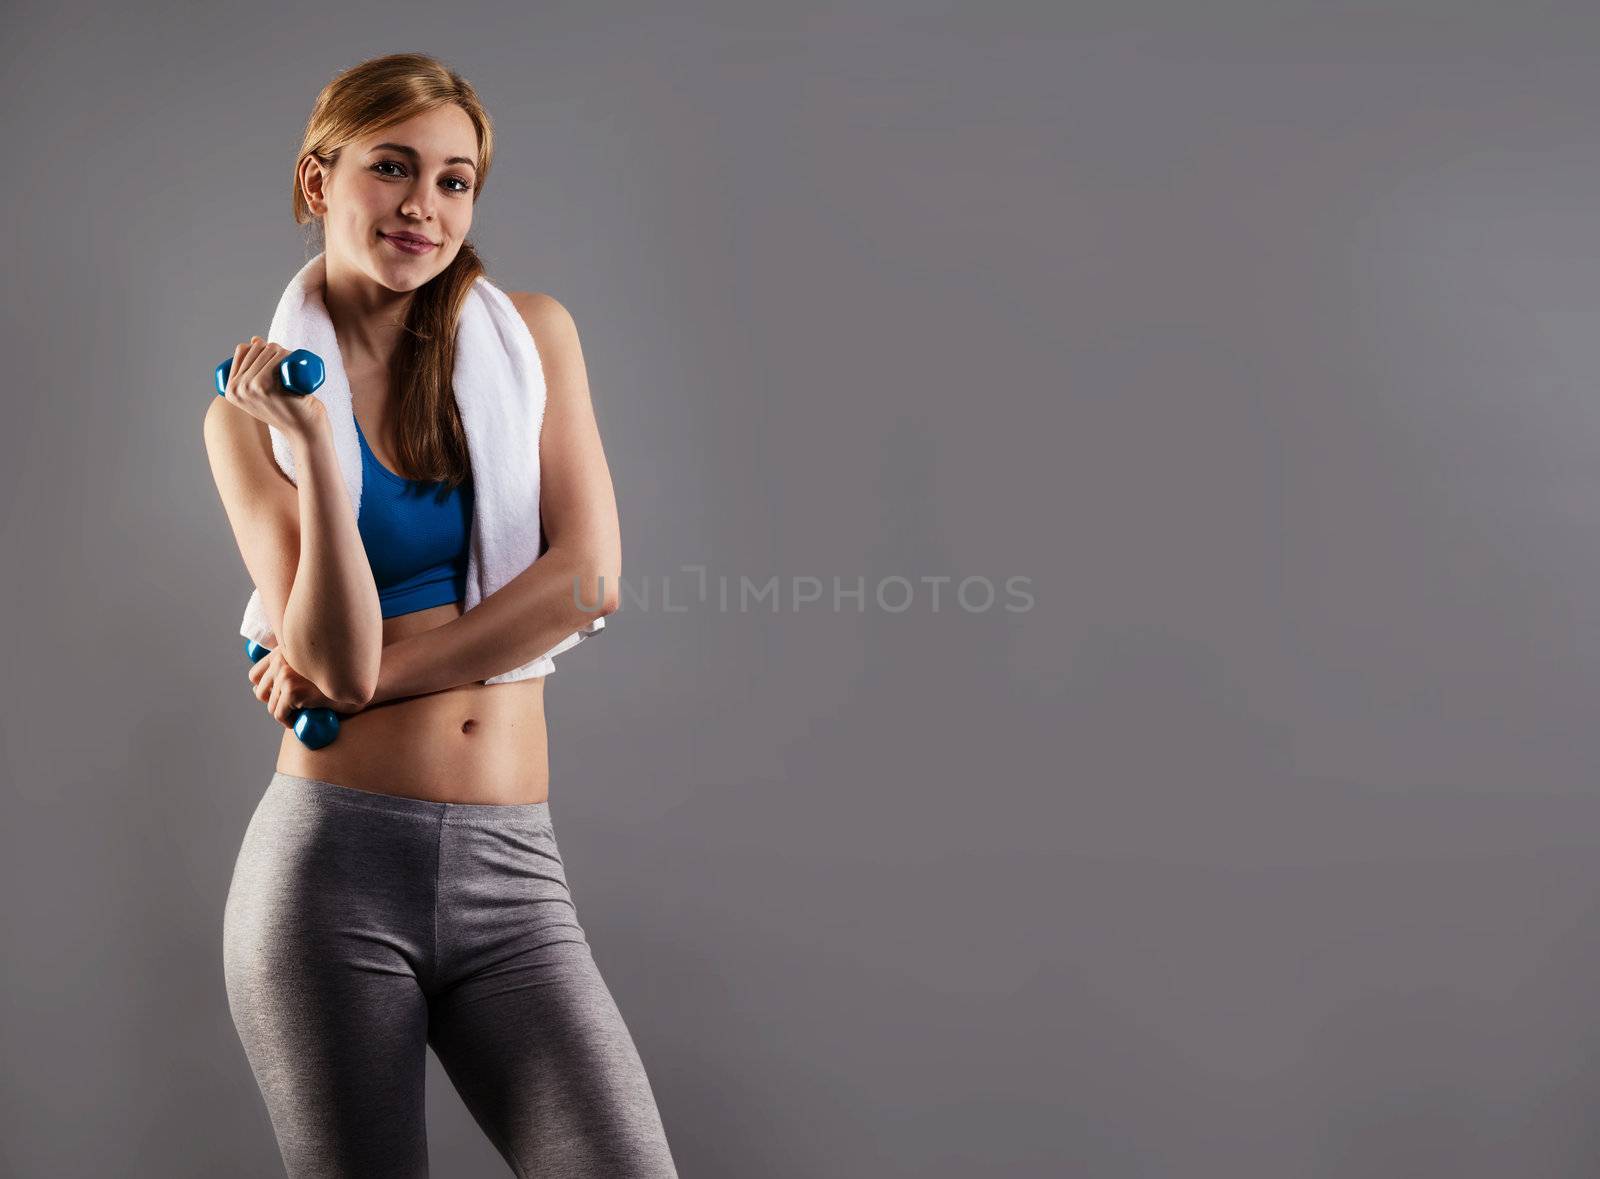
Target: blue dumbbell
(315, 727)
(299, 372)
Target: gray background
(1260, 337)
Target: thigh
(320, 963)
(526, 1028)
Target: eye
(465, 185)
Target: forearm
(560, 593)
(332, 622)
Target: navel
(468, 725)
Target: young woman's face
(378, 189)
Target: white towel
(499, 389)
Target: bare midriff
(477, 743)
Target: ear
(312, 179)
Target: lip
(407, 243)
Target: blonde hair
(361, 101)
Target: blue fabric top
(415, 534)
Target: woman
(402, 886)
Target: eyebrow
(415, 155)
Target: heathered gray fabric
(361, 927)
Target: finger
(235, 369)
(260, 359)
(280, 706)
(239, 374)
(288, 702)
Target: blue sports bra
(415, 534)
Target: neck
(367, 317)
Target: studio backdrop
(1104, 670)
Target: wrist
(312, 428)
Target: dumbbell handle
(300, 372)
(315, 727)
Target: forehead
(438, 134)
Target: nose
(419, 202)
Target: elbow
(596, 581)
(595, 578)
(358, 692)
(604, 597)
(365, 691)
(355, 695)
(343, 685)
(344, 673)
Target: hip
(329, 877)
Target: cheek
(361, 200)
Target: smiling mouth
(408, 245)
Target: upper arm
(262, 504)
(577, 504)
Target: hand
(253, 386)
(284, 690)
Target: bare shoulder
(227, 425)
(555, 338)
(548, 320)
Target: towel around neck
(500, 391)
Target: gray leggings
(362, 927)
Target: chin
(428, 266)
